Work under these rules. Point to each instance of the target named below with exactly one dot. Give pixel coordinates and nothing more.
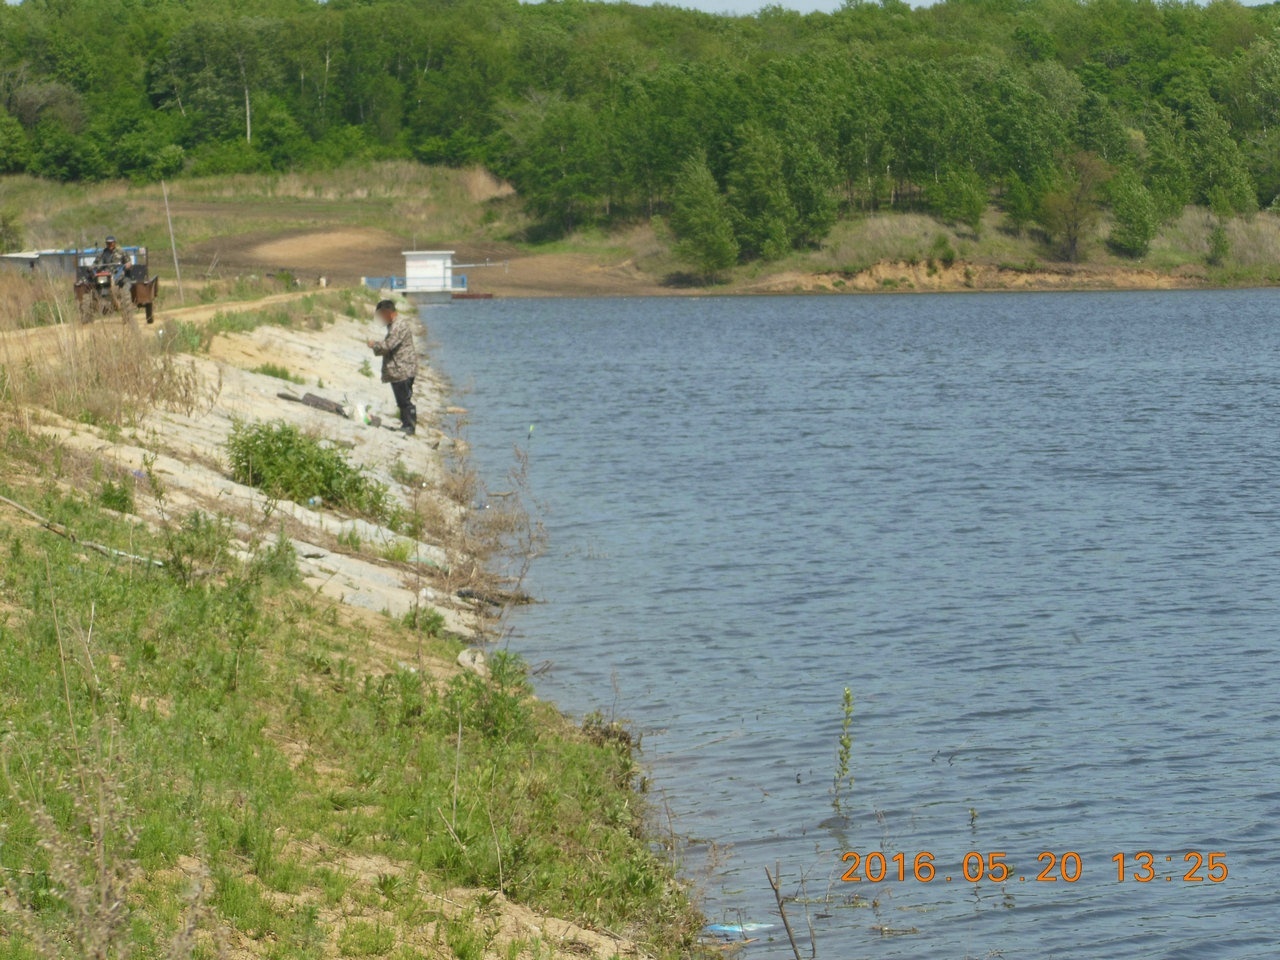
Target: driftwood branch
(497, 598)
(62, 531)
(782, 911)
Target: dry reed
(108, 373)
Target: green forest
(750, 136)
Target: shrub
(197, 545)
(425, 620)
(1219, 246)
(498, 708)
(1136, 219)
(117, 496)
(10, 231)
(282, 461)
(183, 337)
(942, 250)
(278, 562)
(960, 197)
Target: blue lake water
(1037, 536)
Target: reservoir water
(1037, 537)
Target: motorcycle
(100, 291)
(103, 288)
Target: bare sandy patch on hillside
(343, 256)
(333, 251)
(565, 275)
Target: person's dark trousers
(403, 390)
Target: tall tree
(1134, 211)
(1070, 211)
(1218, 164)
(765, 219)
(701, 221)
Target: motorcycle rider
(115, 258)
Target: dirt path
(34, 344)
(205, 312)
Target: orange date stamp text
(1194, 866)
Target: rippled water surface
(1038, 537)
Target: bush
(282, 461)
(117, 496)
(1219, 246)
(196, 546)
(424, 619)
(1136, 219)
(942, 250)
(278, 562)
(10, 231)
(960, 197)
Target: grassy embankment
(203, 758)
(914, 251)
(354, 222)
(435, 203)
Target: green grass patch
(277, 371)
(116, 496)
(238, 733)
(284, 462)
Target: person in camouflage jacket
(112, 256)
(399, 362)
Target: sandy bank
(508, 271)
(576, 275)
(903, 276)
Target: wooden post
(173, 244)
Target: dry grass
(429, 204)
(396, 180)
(107, 373)
(1254, 243)
(1181, 246)
(491, 537)
(73, 215)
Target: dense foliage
(601, 112)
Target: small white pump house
(428, 275)
(428, 278)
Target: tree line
(751, 135)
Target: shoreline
(573, 276)
(312, 230)
(335, 634)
